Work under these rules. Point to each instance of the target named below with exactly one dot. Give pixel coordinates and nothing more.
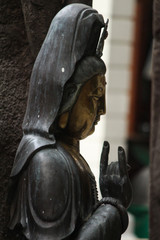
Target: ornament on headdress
(99, 50)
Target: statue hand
(114, 180)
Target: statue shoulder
(52, 157)
(47, 191)
(50, 183)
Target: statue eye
(100, 89)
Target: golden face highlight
(88, 108)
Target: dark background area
(140, 116)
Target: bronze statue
(54, 193)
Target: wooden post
(155, 130)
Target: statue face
(86, 112)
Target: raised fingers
(104, 158)
(122, 162)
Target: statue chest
(85, 185)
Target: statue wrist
(121, 209)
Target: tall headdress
(99, 50)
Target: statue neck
(69, 142)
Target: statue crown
(99, 50)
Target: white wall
(91, 147)
(117, 56)
(119, 72)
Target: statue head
(72, 38)
(83, 99)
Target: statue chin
(85, 135)
(86, 131)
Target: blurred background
(127, 55)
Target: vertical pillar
(155, 130)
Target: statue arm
(110, 219)
(106, 223)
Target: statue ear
(63, 120)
